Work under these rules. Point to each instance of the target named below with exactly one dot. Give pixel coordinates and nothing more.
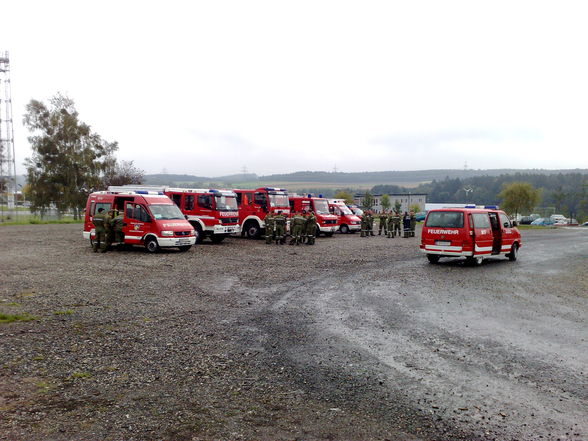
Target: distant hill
(345, 179)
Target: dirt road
(350, 339)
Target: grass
(27, 220)
(76, 375)
(9, 318)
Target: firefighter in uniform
(269, 228)
(100, 231)
(383, 224)
(297, 223)
(406, 224)
(412, 218)
(280, 221)
(117, 225)
(364, 224)
(371, 223)
(394, 224)
(310, 227)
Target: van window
(205, 201)
(445, 219)
(505, 221)
(177, 199)
(481, 220)
(260, 199)
(105, 205)
(189, 202)
(136, 211)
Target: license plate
(443, 243)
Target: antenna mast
(7, 157)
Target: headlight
(193, 233)
(167, 233)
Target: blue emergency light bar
(491, 207)
(470, 206)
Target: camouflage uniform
(412, 223)
(100, 232)
(383, 224)
(280, 221)
(394, 224)
(364, 224)
(269, 228)
(310, 227)
(117, 225)
(297, 223)
(371, 224)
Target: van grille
(229, 220)
(183, 233)
(330, 222)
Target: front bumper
(226, 229)
(165, 242)
(329, 229)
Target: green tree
(397, 206)
(367, 201)
(519, 197)
(385, 202)
(68, 159)
(415, 208)
(345, 195)
(123, 173)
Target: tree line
(566, 193)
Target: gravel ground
(352, 339)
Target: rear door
(508, 234)
(496, 232)
(483, 237)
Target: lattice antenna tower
(7, 157)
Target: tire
(252, 230)
(474, 261)
(185, 248)
(91, 242)
(217, 238)
(151, 245)
(514, 251)
(344, 229)
(317, 233)
(433, 258)
(198, 233)
(329, 234)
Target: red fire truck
(255, 204)
(348, 221)
(213, 213)
(326, 222)
(149, 218)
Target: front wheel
(252, 230)
(328, 234)
(151, 245)
(514, 251)
(344, 229)
(198, 234)
(433, 258)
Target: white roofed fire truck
(213, 213)
(255, 204)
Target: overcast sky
(208, 88)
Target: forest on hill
(566, 193)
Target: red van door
(496, 232)
(136, 223)
(508, 234)
(483, 237)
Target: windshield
(226, 203)
(321, 206)
(344, 209)
(278, 200)
(166, 212)
(445, 219)
(357, 211)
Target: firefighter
(100, 231)
(269, 228)
(370, 223)
(310, 228)
(406, 224)
(108, 226)
(297, 223)
(383, 223)
(364, 224)
(394, 225)
(412, 218)
(117, 226)
(280, 222)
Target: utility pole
(7, 159)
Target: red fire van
(150, 219)
(473, 233)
